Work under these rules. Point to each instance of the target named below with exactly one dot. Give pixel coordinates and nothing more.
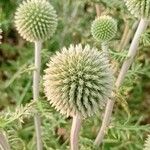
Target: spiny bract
(36, 20)
(78, 80)
(147, 144)
(139, 8)
(104, 28)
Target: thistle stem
(126, 65)
(4, 145)
(76, 125)
(36, 81)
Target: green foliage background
(131, 118)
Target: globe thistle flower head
(78, 80)
(104, 28)
(139, 8)
(36, 20)
(147, 144)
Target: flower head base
(139, 8)
(78, 80)
(104, 28)
(36, 20)
(147, 144)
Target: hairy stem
(36, 82)
(76, 125)
(127, 63)
(4, 145)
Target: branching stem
(76, 125)
(126, 65)
(36, 82)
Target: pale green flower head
(36, 20)
(78, 80)
(104, 28)
(139, 8)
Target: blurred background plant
(16, 66)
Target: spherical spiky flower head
(36, 20)
(147, 144)
(104, 28)
(78, 80)
(139, 8)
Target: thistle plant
(140, 8)
(36, 21)
(77, 83)
(147, 143)
(103, 29)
